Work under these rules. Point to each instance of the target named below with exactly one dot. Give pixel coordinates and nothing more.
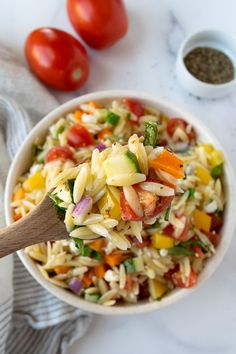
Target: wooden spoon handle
(40, 225)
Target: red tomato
(148, 202)
(100, 23)
(175, 123)
(216, 222)
(134, 106)
(170, 231)
(57, 58)
(126, 212)
(59, 152)
(145, 243)
(78, 136)
(151, 204)
(177, 280)
(143, 291)
(214, 237)
(168, 275)
(129, 282)
(198, 252)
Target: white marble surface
(204, 322)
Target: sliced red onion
(83, 207)
(75, 285)
(101, 146)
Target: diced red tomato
(134, 106)
(129, 282)
(170, 231)
(198, 252)
(214, 237)
(145, 243)
(79, 136)
(191, 281)
(59, 152)
(216, 222)
(148, 201)
(175, 123)
(126, 212)
(152, 205)
(168, 275)
(143, 291)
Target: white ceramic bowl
(22, 162)
(207, 38)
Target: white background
(204, 322)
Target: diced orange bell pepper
(16, 216)
(104, 133)
(61, 269)
(97, 245)
(77, 116)
(87, 279)
(94, 104)
(115, 258)
(19, 194)
(99, 271)
(169, 163)
(202, 220)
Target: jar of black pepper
(206, 64)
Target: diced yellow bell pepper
(202, 220)
(162, 241)
(156, 288)
(216, 158)
(36, 181)
(203, 175)
(207, 147)
(109, 206)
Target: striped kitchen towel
(32, 321)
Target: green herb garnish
(191, 192)
(150, 136)
(216, 171)
(60, 130)
(112, 118)
(167, 214)
(71, 183)
(178, 250)
(56, 203)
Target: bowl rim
(139, 307)
(208, 32)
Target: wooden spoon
(40, 225)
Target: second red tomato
(100, 23)
(57, 58)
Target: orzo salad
(141, 198)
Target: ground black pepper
(209, 65)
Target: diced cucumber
(121, 164)
(133, 265)
(129, 265)
(138, 264)
(92, 297)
